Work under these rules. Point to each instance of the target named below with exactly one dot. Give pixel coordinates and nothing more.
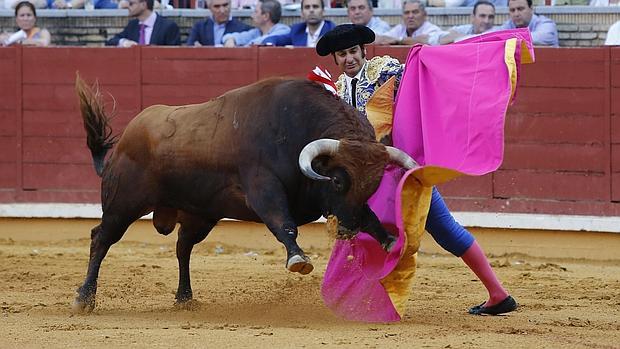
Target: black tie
(353, 85)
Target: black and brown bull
(280, 151)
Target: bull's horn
(323, 146)
(401, 158)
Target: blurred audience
(308, 32)
(220, 29)
(28, 33)
(266, 19)
(210, 31)
(543, 29)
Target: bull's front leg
(267, 197)
(296, 260)
(370, 223)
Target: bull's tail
(99, 138)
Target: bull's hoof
(299, 264)
(81, 306)
(190, 304)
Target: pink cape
(449, 114)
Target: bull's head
(352, 171)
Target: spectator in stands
(209, 32)
(308, 32)
(415, 29)
(613, 35)
(360, 12)
(11, 4)
(482, 20)
(28, 33)
(544, 31)
(266, 19)
(364, 76)
(146, 28)
(79, 4)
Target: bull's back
(181, 135)
(281, 113)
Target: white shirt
(357, 76)
(313, 38)
(613, 35)
(377, 25)
(427, 28)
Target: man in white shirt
(415, 29)
(360, 13)
(482, 21)
(544, 31)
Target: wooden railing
(562, 150)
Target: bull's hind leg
(124, 200)
(272, 206)
(102, 237)
(193, 230)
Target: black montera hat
(344, 36)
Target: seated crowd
(147, 27)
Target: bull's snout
(345, 233)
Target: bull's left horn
(401, 158)
(323, 146)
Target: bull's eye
(338, 185)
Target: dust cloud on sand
(568, 286)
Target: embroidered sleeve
(380, 69)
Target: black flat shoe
(506, 306)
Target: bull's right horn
(323, 146)
(398, 156)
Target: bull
(282, 151)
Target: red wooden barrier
(10, 128)
(562, 135)
(614, 110)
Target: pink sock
(476, 261)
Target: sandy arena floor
(568, 285)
